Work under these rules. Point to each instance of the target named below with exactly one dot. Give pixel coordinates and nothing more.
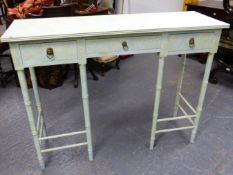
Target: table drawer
(190, 42)
(124, 45)
(46, 53)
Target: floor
(121, 105)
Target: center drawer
(122, 45)
(48, 53)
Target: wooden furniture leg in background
(76, 76)
(118, 63)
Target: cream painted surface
(55, 28)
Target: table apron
(67, 51)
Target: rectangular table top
(74, 27)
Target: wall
(147, 6)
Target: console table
(52, 41)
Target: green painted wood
(16, 56)
(33, 54)
(38, 101)
(163, 54)
(27, 102)
(83, 77)
(202, 94)
(179, 42)
(134, 44)
(82, 60)
(157, 100)
(75, 45)
(36, 53)
(179, 85)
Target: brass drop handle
(50, 53)
(191, 42)
(125, 45)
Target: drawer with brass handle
(39, 54)
(122, 45)
(190, 42)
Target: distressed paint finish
(163, 54)
(86, 110)
(202, 94)
(28, 106)
(179, 85)
(76, 44)
(41, 120)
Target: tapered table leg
(179, 85)
(202, 95)
(157, 100)
(38, 102)
(28, 106)
(83, 77)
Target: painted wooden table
(52, 41)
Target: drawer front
(124, 45)
(39, 54)
(190, 42)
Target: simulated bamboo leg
(37, 98)
(179, 86)
(157, 100)
(202, 95)
(83, 77)
(29, 111)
